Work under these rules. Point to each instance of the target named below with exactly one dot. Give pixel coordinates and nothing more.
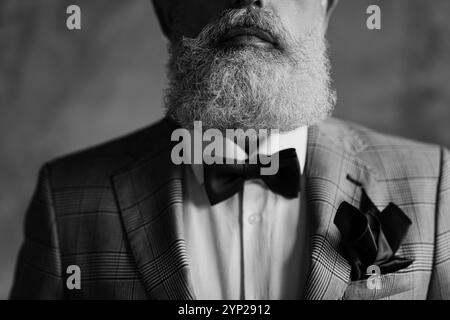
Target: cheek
(299, 16)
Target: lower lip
(246, 40)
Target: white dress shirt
(250, 246)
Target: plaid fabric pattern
(116, 212)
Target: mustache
(259, 20)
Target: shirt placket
(255, 243)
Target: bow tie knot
(251, 171)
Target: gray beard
(249, 88)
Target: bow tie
(222, 181)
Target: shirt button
(254, 219)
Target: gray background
(61, 91)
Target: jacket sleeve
(38, 272)
(440, 280)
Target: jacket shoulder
(95, 165)
(391, 156)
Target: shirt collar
(296, 139)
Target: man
(347, 202)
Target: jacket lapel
(149, 194)
(332, 169)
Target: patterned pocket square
(371, 237)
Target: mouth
(247, 36)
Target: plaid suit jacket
(116, 212)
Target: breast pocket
(399, 285)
